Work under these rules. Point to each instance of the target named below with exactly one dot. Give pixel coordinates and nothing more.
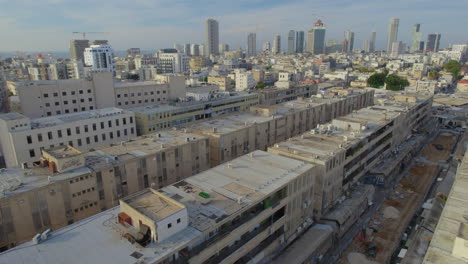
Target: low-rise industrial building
(70, 185)
(239, 212)
(159, 117)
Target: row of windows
(82, 178)
(85, 207)
(67, 111)
(82, 100)
(140, 101)
(139, 94)
(32, 153)
(56, 94)
(170, 224)
(86, 129)
(83, 192)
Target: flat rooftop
(12, 116)
(453, 215)
(14, 181)
(152, 205)
(248, 179)
(63, 152)
(228, 124)
(75, 117)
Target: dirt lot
(407, 198)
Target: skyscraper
(211, 37)
(194, 50)
(372, 42)
(416, 38)
(266, 47)
(223, 48)
(277, 44)
(187, 49)
(392, 33)
(365, 46)
(291, 42)
(433, 42)
(252, 45)
(349, 37)
(316, 38)
(299, 41)
(77, 48)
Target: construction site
(380, 241)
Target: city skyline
(158, 25)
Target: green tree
(433, 75)
(261, 85)
(454, 68)
(395, 82)
(376, 80)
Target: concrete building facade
(22, 139)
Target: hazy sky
(46, 25)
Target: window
(57, 103)
(67, 111)
(75, 109)
(68, 131)
(73, 93)
(118, 133)
(82, 100)
(103, 137)
(178, 220)
(49, 113)
(90, 99)
(88, 141)
(77, 129)
(169, 225)
(83, 108)
(39, 137)
(47, 104)
(89, 90)
(31, 153)
(86, 128)
(109, 123)
(49, 135)
(55, 94)
(117, 123)
(101, 195)
(65, 102)
(132, 130)
(70, 143)
(59, 133)
(64, 93)
(79, 142)
(131, 120)
(111, 135)
(74, 101)
(58, 112)
(45, 95)
(91, 107)
(94, 127)
(29, 139)
(118, 96)
(125, 132)
(102, 125)
(124, 120)
(96, 139)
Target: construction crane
(84, 33)
(41, 63)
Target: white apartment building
(22, 139)
(244, 80)
(174, 62)
(100, 58)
